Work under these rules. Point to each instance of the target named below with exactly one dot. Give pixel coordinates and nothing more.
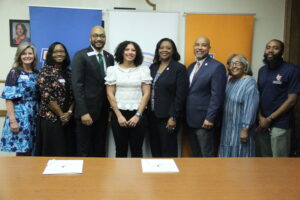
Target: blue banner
(68, 26)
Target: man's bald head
(97, 37)
(96, 29)
(203, 38)
(201, 47)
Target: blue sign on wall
(66, 25)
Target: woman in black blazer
(169, 90)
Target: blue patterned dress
(240, 107)
(21, 88)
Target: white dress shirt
(197, 66)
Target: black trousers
(54, 139)
(132, 136)
(91, 140)
(163, 143)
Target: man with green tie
(91, 110)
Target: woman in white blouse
(128, 92)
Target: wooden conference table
(110, 178)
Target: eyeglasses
(237, 63)
(61, 51)
(98, 35)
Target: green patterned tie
(100, 60)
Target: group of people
(61, 112)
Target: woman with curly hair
(128, 91)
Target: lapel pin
(205, 64)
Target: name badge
(278, 80)
(61, 80)
(91, 53)
(24, 77)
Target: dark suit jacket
(88, 85)
(170, 90)
(206, 93)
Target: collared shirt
(103, 58)
(274, 86)
(195, 70)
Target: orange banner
(228, 34)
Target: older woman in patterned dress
(241, 103)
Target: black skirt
(54, 139)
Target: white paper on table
(64, 167)
(159, 166)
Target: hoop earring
(246, 70)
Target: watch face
(138, 114)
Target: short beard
(203, 57)
(97, 48)
(275, 62)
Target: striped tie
(195, 70)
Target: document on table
(64, 167)
(159, 166)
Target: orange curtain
(228, 34)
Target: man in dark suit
(91, 108)
(205, 99)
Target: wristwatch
(139, 114)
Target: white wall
(269, 19)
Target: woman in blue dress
(240, 107)
(20, 93)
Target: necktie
(195, 70)
(197, 67)
(101, 65)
